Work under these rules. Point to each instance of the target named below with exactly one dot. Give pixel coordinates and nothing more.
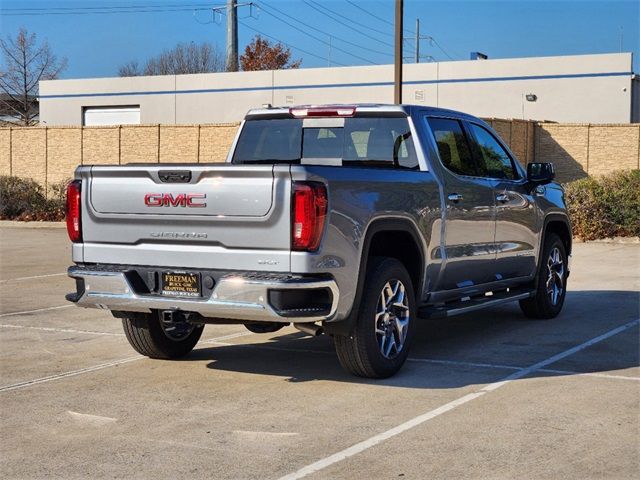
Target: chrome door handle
(454, 197)
(502, 198)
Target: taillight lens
(309, 212)
(74, 227)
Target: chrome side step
(466, 306)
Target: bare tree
(131, 69)
(25, 64)
(183, 58)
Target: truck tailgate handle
(454, 197)
(174, 176)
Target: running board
(461, 307)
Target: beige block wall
(566, 146)
(215, 142)
(613, 148)
(100, 145)
(29, 153)
(139, 144)
(5, 151)
(179, 144)
(50, 155)
(64, 153)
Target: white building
(580, 88)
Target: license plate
(180, 284)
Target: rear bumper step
(235, 296)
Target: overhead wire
(289, 45)
(265, 6)
(320, 10)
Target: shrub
(607, 206)
(25, 199)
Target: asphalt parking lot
(487, 395)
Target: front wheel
(154, 337)
(551, 282)
(379, 344)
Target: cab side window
(494, 161)
(452, 146)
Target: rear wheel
(379, 344)
(154, 337)
(551, 283)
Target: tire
(551, 283)
(264, 327)
(361, 353)
(150, 337)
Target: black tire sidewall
(382, 271)
(549, 310)
(172, 348)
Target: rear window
(366, 141)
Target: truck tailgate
(193, 216)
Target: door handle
(502, 198)
(454, 197)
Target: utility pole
(417, 40)
(397, 84)
(232, 36)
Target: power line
(106, 7)
(263, 3)
(441, 49)
(320, 39)
(369, 13)
(350, 27)
(102, 12)
(293, 47)
(352, 20)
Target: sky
(98, 36)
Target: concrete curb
(17, 224)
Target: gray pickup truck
(354, 221)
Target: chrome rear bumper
(237, 297)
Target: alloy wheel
(392, 319)
(555, 276)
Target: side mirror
(540, 172)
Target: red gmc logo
(189, 200)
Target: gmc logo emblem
(188, 200)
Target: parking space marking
(420, 419)
(37, 310)
(33, 277)
(94, 368)
(443, 362)
(72, 373)
(61, 330)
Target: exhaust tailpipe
(310, 329)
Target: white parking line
(72, 373)
(26, 312)
(420, 419)
(81, 371)
(61, 330)
(447, 362)
(32, 278)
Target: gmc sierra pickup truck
(356, 221)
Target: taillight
(74, 227)
(309, 212)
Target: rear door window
(453, 146)
(494, 161)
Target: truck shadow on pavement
(467, 350)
